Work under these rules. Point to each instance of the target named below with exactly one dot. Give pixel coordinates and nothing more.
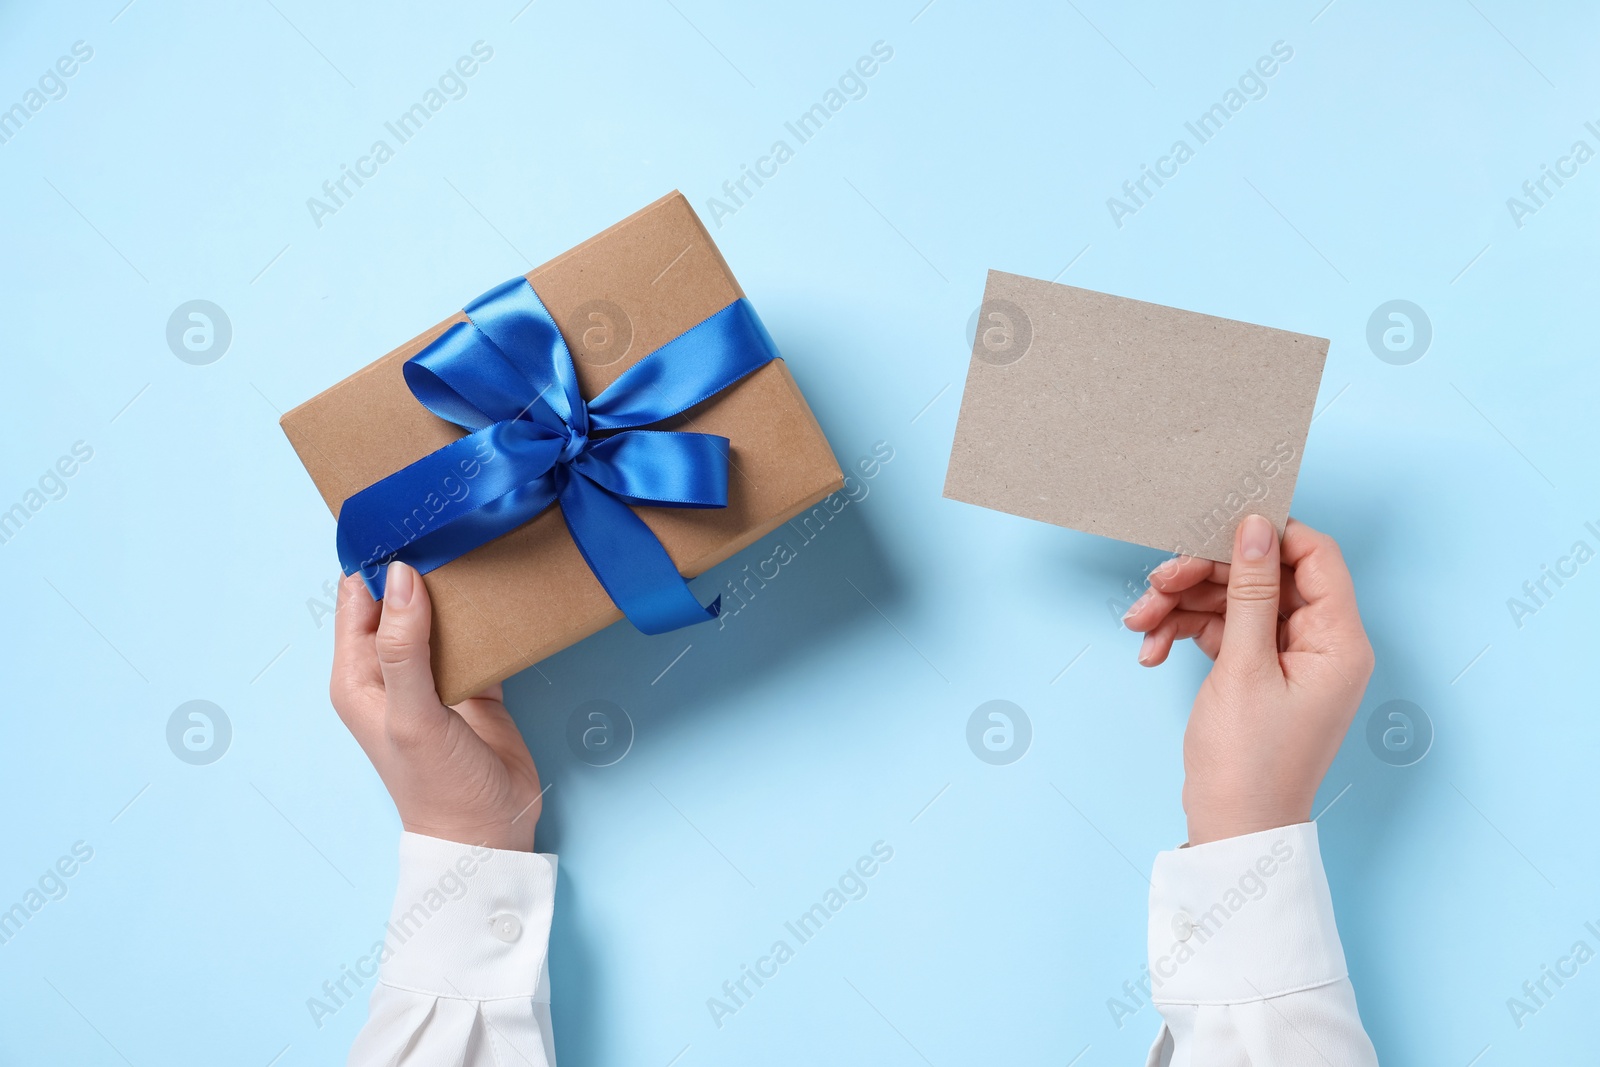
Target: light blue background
(180, 562)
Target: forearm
(463, 976)
(1245, 959)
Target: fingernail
(1147, 649)
(399, 584)
(1255, 538)
(1166, 568)
(1137, 604)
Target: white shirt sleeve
(1245, 961)
(462, 977)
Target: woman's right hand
(1292, 663)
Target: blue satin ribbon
(506, 377)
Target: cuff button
(1182, 926)
(506, 927)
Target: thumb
(402, 642)
(1250, 636)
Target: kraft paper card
(1131, 420)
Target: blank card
(1131, 420)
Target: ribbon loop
(694, 366)
(507, 377)
(464, 379)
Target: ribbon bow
(507, 378)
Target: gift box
(654, 278)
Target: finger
(495, 727)
(1320, 573)
(411, 699)
(1152, 608)
(1290, 599)
(1147, 612)
(1207, 596)
(1205, 627)
(486, 712)
(1251, 636)
(1328, 623)
(1209, 639)
(355, 657)
(496, 692)
(1170, 578)
(486, 716)
(1182, 572)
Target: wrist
(1210, 823)
(506, 837)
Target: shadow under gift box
(516, 600)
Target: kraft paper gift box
(616, 297)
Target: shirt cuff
(469, 922)
(1242, 919)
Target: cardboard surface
(617, 297)
(1131, 420)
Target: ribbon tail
(443, 506)
(630, 563)
(478, 527)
